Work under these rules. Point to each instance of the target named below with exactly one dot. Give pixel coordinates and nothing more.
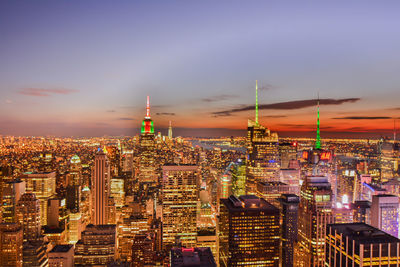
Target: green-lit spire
(318, 141)
(256, 103)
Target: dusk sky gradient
(85, 67)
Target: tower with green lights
(263, 161)
(146, 172)
(318, 139)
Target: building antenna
(256, 102)
(148, 108)
(394, 131)
(318, 139)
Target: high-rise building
(238, 174)
(143, 251)
(11, 239)
(179, 204)
(263, 161)
(315, 212)
(385, 213)
(287, 152)
(12, 192)
(271, 191)
(97, 245)
(34, 254)
(359, 244)
(249, 232)
(289, 217)
(147, 168)
(43, 185)
(170, 131)
(386, 160)
(28, 214)
(362, 211)
(61, 256)
(101, 190)
(194, 257)
(75, 183)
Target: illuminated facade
(179, 204)
(28, 214)
(147, 168)
(271, 191)
(386, 160)
(97, 246)
(385, 213)
(289, 227)
(34, 254)
(315, 212)
(12, 192)
(61, 256)
(249, 232)
(262, 156)
(43, 185)
(359, 244)
(263, 160)
(101, 188)
(11, 238)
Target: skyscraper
(170, 131)
(248, 232)
(263, 161)
(11, 238)
(12, 192)
(97, 246)
(43, 185)
(385, 213)
(359, 244)
(74, 184)
(28, 214)
(315, 212)
(289, 217)
(100, 191)
(147, 168)
(179, 204)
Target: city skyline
(85, 69)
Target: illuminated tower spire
(148, 108)
(318, 141)
(170, 130)
(256, 103)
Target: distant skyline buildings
(113, 70)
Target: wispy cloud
(218, 98)
(363, 118)
(165, 113)
(289, 105)
(8, 101)
(111, 111)
(45, 92)
(125, 119)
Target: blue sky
(85, 67)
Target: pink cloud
(45, 92)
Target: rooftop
(363, 233)
(61, 248)
(192, 257)
(248, 203)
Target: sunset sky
(86, 67)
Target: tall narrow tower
(170, 130)
(101, 190)
(318, 140)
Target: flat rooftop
(192, 257)
(363, 233)
(61, 248)
(248, 203)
